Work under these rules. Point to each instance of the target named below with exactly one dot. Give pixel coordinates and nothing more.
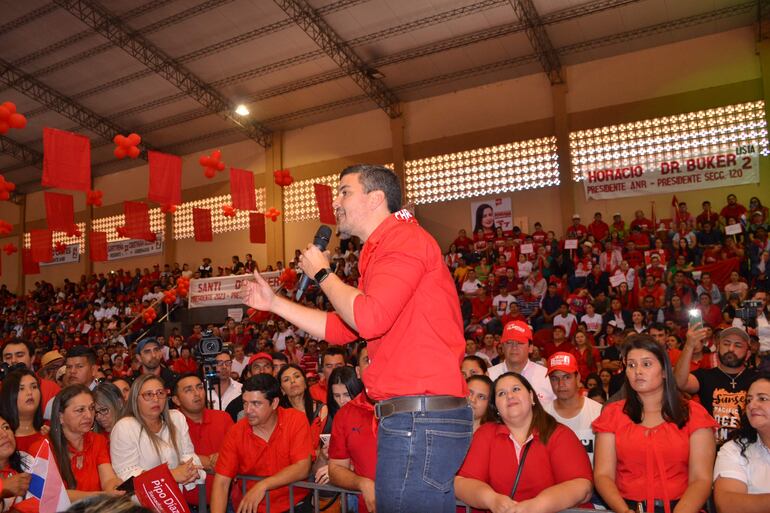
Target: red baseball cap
(564, 362)
(260, 356)
(517, 331)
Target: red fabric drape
(97, 245)
(59, 211)
(720, 271)
(28, 265)
(242, 189)
(137, 216)
(257, 228)
(41, 245)
(323, 198)
(165, 178)
(202, 224)
(66, 160)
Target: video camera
(749, 311)
(206, 353)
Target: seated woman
(296, 394)
(653, 449)
(14, 481)
(552, 466)
(150, 434)
(81, 455)
(20, 407)
(742, 471)
(109, 405)
(479, 393)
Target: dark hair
(9, 395)
(480, 216)
(378, 178)
(542, 423)
(307, 399)
(746, 434)
(17, 341)
(479, 361)
(333, 351)
(489, 415)
(59, 443)
(674, 408)
(596, 392)
(101, 503)
(342, 376)
(279, 356)
(175, 388)
(593, 375)
(264, 383)
(83, 351)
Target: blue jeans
(418, 455)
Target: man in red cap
(517, 345)
(570, 407)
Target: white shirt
(239, 366)
(763, 331)
(565, 322)
(132, 451)
(471, 287)
(580, 424)
(279, 339)
(535, 374)
(592, 322)
(753, 470)
(233, 391)
(502, 304)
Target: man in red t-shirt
(707, 215)
(558, 343)
(268, 441)
(576, 230)
(599, 229)
(463, 243)
(332, 358)
(732, 209)
(206, 427)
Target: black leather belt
(418, 403)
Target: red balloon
(210, 172)
(4, 127)
(4, 113)
(120, 152)
(205, 161)
(220, 166)
(134, 139)
(118, 139)
(4, 195)
(17, 121)
(133, 152)
(216, 154)
(10, 106)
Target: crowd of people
(629, 372)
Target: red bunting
(242, 189)
(257, 228)
(94, 198)
(41, 245)
(97, 242)
(10, 248)
(272, 213)
(66, 160)
(165, 178)
(323, 198)
(202, 225)
(59, 211)
(28, 265)
(127, 146)
(137, 216)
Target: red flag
(97, 244)
(202, 225)
(242, 189)
(66, 160)
(257, 228)
(157, 490)
(60, 211)
(41, 245)
(165, 178)
(323, 197)
(28, 265)
(137, 216)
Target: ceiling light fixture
(242, 110)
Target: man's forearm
(219, 493)
(342, 297)
(344, 477)
(682, 367)
(294, 472)
(309, 320)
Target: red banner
(137, 216)
(97, 245)
(323, 197)
(66, 160)
(165, 178)
(202, 225)
(720, 271)
(41, 245)
(157, 490)
(257, 228)
(59, 211)
(28, 265)
(242, 189)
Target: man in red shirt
(332, 358)
(558, 343)
(576, 230)
(463, 243)
(707, 215)
(407, 308)
(538, 235)
(599, 229)
(732, 209)
(268, 441)
(206, 427)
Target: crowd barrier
(317, 489)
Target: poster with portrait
(490, 214)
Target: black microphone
(320, 241)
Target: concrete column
(561, 130)
(274, 198)
(21, 289)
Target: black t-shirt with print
(721, 400)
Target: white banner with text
(224, 290)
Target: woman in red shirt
(185, 363)
(82, 456)
(653, 449)
(13, 482)
(532, 444)
(588, 356)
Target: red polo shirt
(95, 452)
(354, 437)
(243, 452)
(206, 437)
(409, 313)
(544, 466)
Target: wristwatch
(322, 275)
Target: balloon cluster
(228, 211)
(5, 227)
(168, 208)
(182, 286)
(283, 177)
(149, 315)
(10, 248)
(272, 214)
(9, 118)
(74, 231)
(169, 297)
(94, 198)
(127, 146)
(212, 163)
(60, 248)
(6, 188)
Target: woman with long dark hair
(82, 456)
(534, 446)
(741, 472)
(654, 449)
(344, 386)
(485, 220)
(20, 406)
